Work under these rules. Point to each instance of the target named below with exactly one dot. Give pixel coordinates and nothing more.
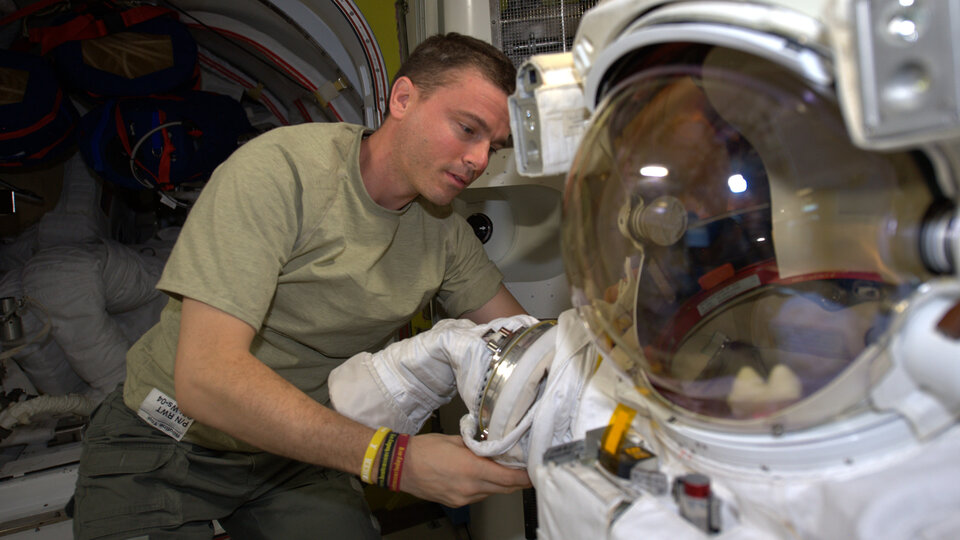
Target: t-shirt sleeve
(238, 235)
(471, 279)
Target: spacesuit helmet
(729, 244)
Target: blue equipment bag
(159, 142)
(104, 52)
(37, 119)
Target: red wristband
(396, 467)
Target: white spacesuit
(760, 231)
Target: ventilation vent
(523, 28)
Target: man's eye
(493, 150)
(466, 129)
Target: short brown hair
(430, 64)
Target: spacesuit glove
(400, 386)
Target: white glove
(400, 386)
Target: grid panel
(528, 27)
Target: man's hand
(441, 468)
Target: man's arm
(503, 304)
(218, 382)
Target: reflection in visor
(756, 343)
(727, 243)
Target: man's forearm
(503, 304)
(219, 383)
(245, 399)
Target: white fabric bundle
(101, 298)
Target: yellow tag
(618, 425)
(637, 453)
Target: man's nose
(477, 156)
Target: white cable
(22, 412)
(133, 165)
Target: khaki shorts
(136, 482)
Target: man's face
(450, 134)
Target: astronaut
(760, 230)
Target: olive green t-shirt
(286, 238)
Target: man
(310, 244)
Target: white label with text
(162, 412)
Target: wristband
(372, 449)
(389, 445)
(396, 467)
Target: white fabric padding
(400, 386)
(77, 218)
(84, 288)
(572, 367)
(15, 252)
(507, 450)
(574, 502)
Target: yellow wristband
(371, 453)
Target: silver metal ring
(507, 347)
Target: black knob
(482, 226)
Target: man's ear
(401, 96)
